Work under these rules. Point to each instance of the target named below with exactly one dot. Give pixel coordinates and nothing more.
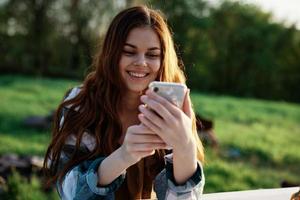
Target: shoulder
(70, 94)
(88, 141)
(73, 92)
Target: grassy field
(259, 140)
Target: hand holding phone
(167, 123)
(173, 92)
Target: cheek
(123, 63)
(155, 65)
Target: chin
(137, 89)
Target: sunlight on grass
(23, 145)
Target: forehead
(143, 37)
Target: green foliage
(250, 54)
(265, 134)
(19, 188)
(50, 38)
(234, 48)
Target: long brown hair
(102, 91)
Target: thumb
(187, 104)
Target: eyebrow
(133, 46)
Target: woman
(106, 144)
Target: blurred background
(243, 68)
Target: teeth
(138, 75)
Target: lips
(137, 74)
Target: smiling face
(141, 59)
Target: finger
(163, 108)
(160, 105)
(167, 103)
(147, 147)
(153, 117)
(149, 124)
(145, 153)
(146, 139)
(144, 128)
(141, 128)
(187, 104)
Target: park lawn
(22, 97)
(264, 136)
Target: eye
(128, 53)
(152, 55)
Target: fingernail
(141, 107)
(143, 98)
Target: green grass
(266, 134)
(22, 97)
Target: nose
(140, 61)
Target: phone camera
(155, 89)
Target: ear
(187, 104)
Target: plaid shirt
(81, 181)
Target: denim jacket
(81, 181)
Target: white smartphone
(174, 92)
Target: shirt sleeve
(81, 182)
(167, 189)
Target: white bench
(260, 194)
